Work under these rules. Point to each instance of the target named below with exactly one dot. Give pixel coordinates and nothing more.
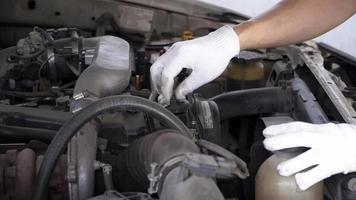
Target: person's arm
(288, 22)
(293, 21)
(332, 148)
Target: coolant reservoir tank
(272, 186)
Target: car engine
(79, 120)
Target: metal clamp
(81, 100)
(106, 169)
(196, 164)
(154, 179)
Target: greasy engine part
(40, 66)
(241, 167)
(108, 74)
(81, 158)
(207, 117)
(110, 69)
(135, 163)
(107, 104)
(253, 101)
(199, 114)
(187, 176)
(25, 134)
(43, 68)
(58, 185)
(315, 62)
(17, 172)
(33, 117)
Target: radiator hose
(253, 101)
(108, 104)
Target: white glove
(207, 56)
(332, 149)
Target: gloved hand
(332, 149)
(207, 56)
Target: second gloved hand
(332, 150)
(207, 56)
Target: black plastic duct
(253, 101)
(306, 106)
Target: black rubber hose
(108, 104)
(253, 101)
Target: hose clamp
(197, 164)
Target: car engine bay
(79, 120)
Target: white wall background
(342, 37)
